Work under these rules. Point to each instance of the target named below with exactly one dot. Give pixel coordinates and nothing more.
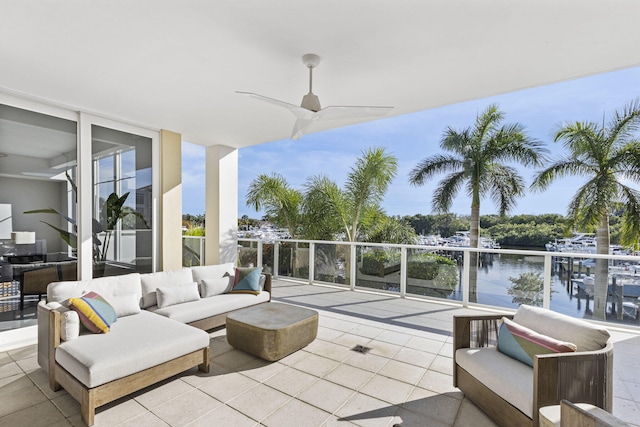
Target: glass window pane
(37, 173)
(122, 202)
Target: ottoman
(272, 331)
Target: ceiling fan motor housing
(311, 102)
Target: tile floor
(404, 379)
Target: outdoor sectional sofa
(511, 391)
(159, 332)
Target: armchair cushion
(507, 377)
(522, 343)
(586, 336)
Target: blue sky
(416, 136)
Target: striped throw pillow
(522, 343)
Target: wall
(30, 194)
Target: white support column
(221, 205)
(170, 252)
(84, 213)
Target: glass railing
(192, 251)
(504, 278)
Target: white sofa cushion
(211, 278)
(69, 321)
(206, 307)
(135, 343)
(107, 287)
(125, 305)
(152, 281)
(508, 378)
(212, 271)
(172, 295)
(586, 336)
(211, 287)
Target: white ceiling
(177, 64)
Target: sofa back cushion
(586, 336)
(163, 279)
(112, 288)
(212, 271)
(211, 278)
(172, 295)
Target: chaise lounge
(156, 330)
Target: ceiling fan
(310, 111)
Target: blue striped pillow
(522, 343)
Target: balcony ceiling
(176, 64)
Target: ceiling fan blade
(349, 112)
(301, 113)
(300, 127)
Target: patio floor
(404, 379)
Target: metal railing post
(312, 256)
(546, 293)
(202, 246)
(276, 258)
(466, 265)
(353, 267)
(403, 272)
(259, 254)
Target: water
(493, 285)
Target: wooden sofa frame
(553, 374)
(91, 398)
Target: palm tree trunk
(474, 237)
(602, 270)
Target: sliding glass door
(122, 201)
(38, 158)
(77, 200)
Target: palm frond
(563, 167)
(625, 123)
(432, 166)
(446, 191)
(506, 186)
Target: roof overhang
(177, 64)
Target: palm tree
(351, 207)
(607, 155)
(477, 164)
(281, 202)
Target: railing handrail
(455, 248)
(463, 257)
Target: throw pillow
(522, 343)
(95, 313)
(247, 281)
(125, 305)
(211, 287)
(172, 295)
